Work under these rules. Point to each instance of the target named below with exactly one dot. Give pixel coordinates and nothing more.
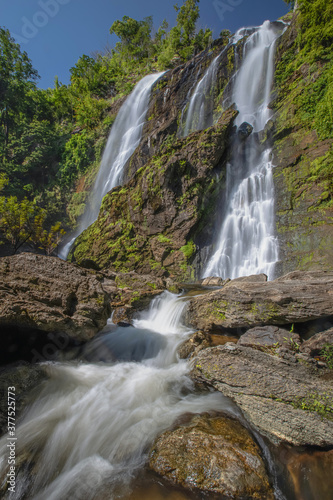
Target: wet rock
(290, 299)
(253, 278)
(269, 336)
(303, 218)
(279, 397)
(51, 295)
(193, 345)
(214, 455)
(132, 292)
(244, 130)
(24, 378)
(156, 218)
(214, 281)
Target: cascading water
(247, 242)
(124, 137)
(199, 114)
(92, 423)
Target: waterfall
(92, 423)
(199, 113)
(124, 138)
(247, 243)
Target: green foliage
(327, 354)
(23, 222)
(188, 249)
(51, 140)
(319, 403)
(182, 41)
(294, 346)
(17, 78)
(76, 157)
(163, 239)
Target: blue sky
(55, 33)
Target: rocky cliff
(163, 219)
(303, 153)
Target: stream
(87, 432)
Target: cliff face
(154, 222)
(303, 155)
(164, 216)
(165, 211)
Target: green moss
(218, 309)
(188, 249)
(322, 404)
(163, 239)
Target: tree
(187, 17)
(17, 77)
(23, 222)
(135, 36)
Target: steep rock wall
(153, 222)
(303, 156)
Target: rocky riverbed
(265, 345)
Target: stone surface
(24, 378)
(214, 455)
(253, 278)
(244, 130)
(303, 195)
(270, 390)
(154, 223)
(193, 345)
(315, 344)
(48, 294)
(299, 297)
(269, 336)
(213, 281)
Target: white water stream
(91, 425)
(199, 113)
(247, 243)
(124, 138)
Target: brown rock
(51, 295)
(214, 455)
(269, 336)
(214, 281)
(193, 345)
(289, 299)
(315, 344)
(253, 278)
(278, 396)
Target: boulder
(244, 130)
(214, 281)
(214, 455)
(294, 298)
(193, 345)
(270, 336)
(315, 344)
(24, 378)
(285, 399)
(50, 295)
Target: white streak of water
(247, 243)
(124, 138)
(92, 424)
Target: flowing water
(92, 423)
(199, 113)
(247, 243)
(124, 138)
